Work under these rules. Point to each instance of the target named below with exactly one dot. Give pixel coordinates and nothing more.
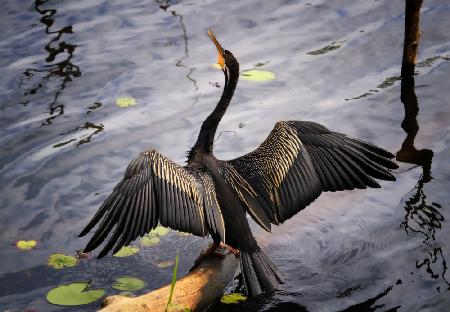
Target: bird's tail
(259, 272)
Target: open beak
(220, 50)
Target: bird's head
(226, 59)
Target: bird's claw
(219, 250)
(229, 248)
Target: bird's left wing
(296, 163)
(155, 189)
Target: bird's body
(296, 163)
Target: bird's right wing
(155, 189)
(296, 163)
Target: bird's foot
(234, 251)
(221, 250)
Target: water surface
(65, 143)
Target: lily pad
(160, 231)
(74, 294)
(59, 261)
(127, 283)
(127, 251)
(165, 264)
(257, 75)
(179, 233)
(125, 102)
(149, 240)
(233, 298)
(26, 244)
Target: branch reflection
(421, 216)
(164, 5)
(64, 70)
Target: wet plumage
(296, 163)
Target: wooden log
(196, 291)
(412, 36)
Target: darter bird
(296, 163)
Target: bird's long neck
(205, 139)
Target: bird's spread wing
(296, 163)
(155, 189)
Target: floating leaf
(233, 298)
(258, 75)
(165, 264)
(74, 294)
(59, 261)
(149, 240)
(125, 102)
(127, 251)
(179, 233)
(128, 283)
(26, 244)
(160, 231)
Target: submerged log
(196, 291)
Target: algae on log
(196, 291)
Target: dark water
(65, 143)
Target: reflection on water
(345, 251)
(164, 5)
(421, 216)
(332, 46)
(86, 138)
(62, 71)
(390, 81)
(372, 304)
(93, 107)
(55, 74)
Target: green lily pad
(257, 75)
(74, 294)
(59, 261)
(127, 251)
(149, 240)
(165, 264)
(233, 298)
(26, 244)
(159, 231)
(125, 102)
(127, 283)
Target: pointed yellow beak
(221, 60)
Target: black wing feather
(155, 189)
(300, 160)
